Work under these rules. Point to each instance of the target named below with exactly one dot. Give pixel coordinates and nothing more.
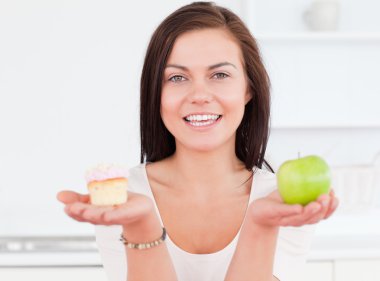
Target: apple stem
(299, 155)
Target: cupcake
(107, 184)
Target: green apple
(303, 180)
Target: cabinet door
(53, 273)
(368, 270)
(317, 271)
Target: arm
(253, 258)
(140, 224)
(149, 264)
(254, 255)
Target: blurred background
(69, 98)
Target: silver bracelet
(142, 246)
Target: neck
(200, 172)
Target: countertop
(49, 251)
(349, 235)
(343, 236)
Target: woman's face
(204, 90)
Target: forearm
(254, 255)
(148, 264)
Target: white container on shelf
(322, 15)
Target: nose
(199, 93)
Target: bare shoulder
(158, 171)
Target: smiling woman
(200, 205)
(245, 66)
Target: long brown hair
(252, 134)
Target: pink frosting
(106, 171)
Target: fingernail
(325, 203)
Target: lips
(202, 120)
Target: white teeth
(199, 120)
(200, 124)
(200, 117)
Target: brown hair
(252, 134)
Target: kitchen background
(69, 89)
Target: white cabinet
(52, 273)
(354, 270)
(323, 79)
(318, 271)
(341, 270)
(319, 79)
(315, 271)
(334, 270)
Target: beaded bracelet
(142, 246)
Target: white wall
(69, 89)
(69, 95)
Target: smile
(202, 120)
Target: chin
(204, 146)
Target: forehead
(205, 47)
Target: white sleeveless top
(292, 245)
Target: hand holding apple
(303, 180)
(271, 211)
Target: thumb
(68, 197)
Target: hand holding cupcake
(108, 202)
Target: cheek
(233, 97)
(170, 104)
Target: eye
(220, 75)
(177, 78)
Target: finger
(287, 210)
(308, 212)
(329, 202)
(77, 218)
(311, 210)
(95, 214)
(312, 213)
(334, 206)
(332, 192)
(76, 209)
(325, 201)
(68, 197)
(88, 213)
(71, 215)
(317, 217)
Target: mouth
(201, 120)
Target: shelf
(325, 127)
(50, 259)
(319, 36)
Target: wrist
(147, 229)
(258, 229)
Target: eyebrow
(211, 67)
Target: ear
(247, 97)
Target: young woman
(205, 108)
